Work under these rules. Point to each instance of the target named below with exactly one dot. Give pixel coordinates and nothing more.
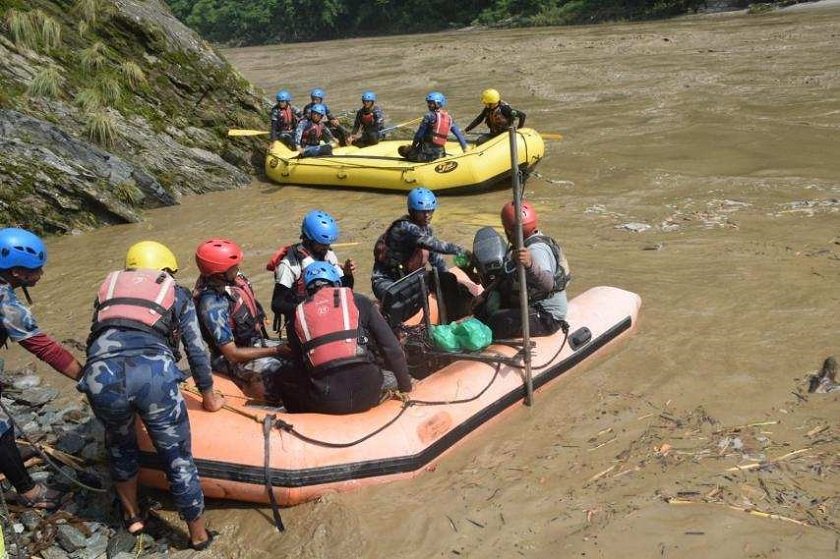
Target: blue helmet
(20, 248)
(319, 108)
(283, 95)
(319, 93)
(422, 200)
(321, 271)
(368, 96)
(437, 97)
(320, 227)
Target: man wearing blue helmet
(284, 119)
(22, 258)
(311, 131)
(333, 332)
(317, 232)
(316, 97)
(409, 244)
(367, 128)
(430, 139)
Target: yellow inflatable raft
(380, 167)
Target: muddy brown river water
(721, 133)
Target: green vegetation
(132, 73)
(47, 83)
(21, 28)
(93, 57)
(263, 21)
(129, 193)
(89, 99)
(101, 128)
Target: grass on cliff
(92, 11)
(89, 99)
(132, 73)
(47, 83)
(102, 129)
(33, 28)
(93, 57)
(129, 193)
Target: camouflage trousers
(120, 389)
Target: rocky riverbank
(108, 107)
(87, 525)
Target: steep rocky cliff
(108, 107)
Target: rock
(70, 538)
(71, 443)
(31, 428)
(18, 528)
(92, 452)
(53, 552)
(95, 546)
(26, 381)
(30, 519)
(635, 227)
(35, 396)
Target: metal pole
(520, 269)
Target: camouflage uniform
(16, 324)
(130, 372)
(403, 238)
(214, 314)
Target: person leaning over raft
(284, 119)
(140, 318)
(409, 244)
(22, 259)
(367, 128)
(331, 333)
(429, 141)
(232, 322)
(317, 232)
(498, 115)
(310, 131)
(547, 274)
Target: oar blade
(551, 135)
(236, 132)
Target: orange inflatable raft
(312, 454)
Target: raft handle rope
(47, 460)
(268, 422)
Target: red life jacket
(304, 258)
(137, 299)
(287, 119)
(497, 121)
(390, 258)
(327, 324)
(312, 134)
(246, 316)
(443, 123)
(366, 117)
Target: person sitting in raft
(22, 259)
(331, 332)
(430, 139)
(498, 115)
(316, 97)
(310, 131)
(317, 232)
(409, 244)
(367, 128)
(284, 119)
(547, 274)
(232, 322)
(141, 316)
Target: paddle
(551, 135)
(236, 132)
(520, 269)
(400, 125)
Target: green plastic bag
(443, 336)
(473, 335)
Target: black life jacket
(393, 257)
(561, 275)
(497, 121)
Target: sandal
(44, 498)
(200, 546)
